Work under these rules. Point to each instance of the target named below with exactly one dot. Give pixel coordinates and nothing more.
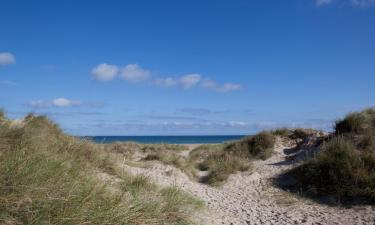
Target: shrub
(259, 146)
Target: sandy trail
(250, 198)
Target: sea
(205, 139)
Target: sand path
(250, 197)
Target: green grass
(47, 177)
(345, 166)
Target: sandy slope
(250, 198)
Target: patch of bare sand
(250, 197)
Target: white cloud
(105, 72)
(168, 82)
(134, 73)
(212, 85)
(229, 87)
(57, 102)
(6, 58)
(190, 80)
(323, 2)
(186, 82)
(237, 124)
(63, 102)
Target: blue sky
(186, 67)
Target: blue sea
(208, 139)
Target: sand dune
(251, 198)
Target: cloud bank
(134, 73)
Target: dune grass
(222, 160)
(47, 177)
(345, 166)
(259, 146)
(220, 166)
(218, 160)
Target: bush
(259, 146)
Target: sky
(186, 67)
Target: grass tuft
(259, 146)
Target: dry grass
(220, 166)
(217, 162)
(47, 177)
(259, 146)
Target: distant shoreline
(188, 139)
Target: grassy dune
(222, 160)
(345, 166)
(47, 177)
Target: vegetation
(294, 134)
(220, 166)
(345, 165)
(224, 159)
(168, 158)
(47, 177)
(2, 114)
(259, 146)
